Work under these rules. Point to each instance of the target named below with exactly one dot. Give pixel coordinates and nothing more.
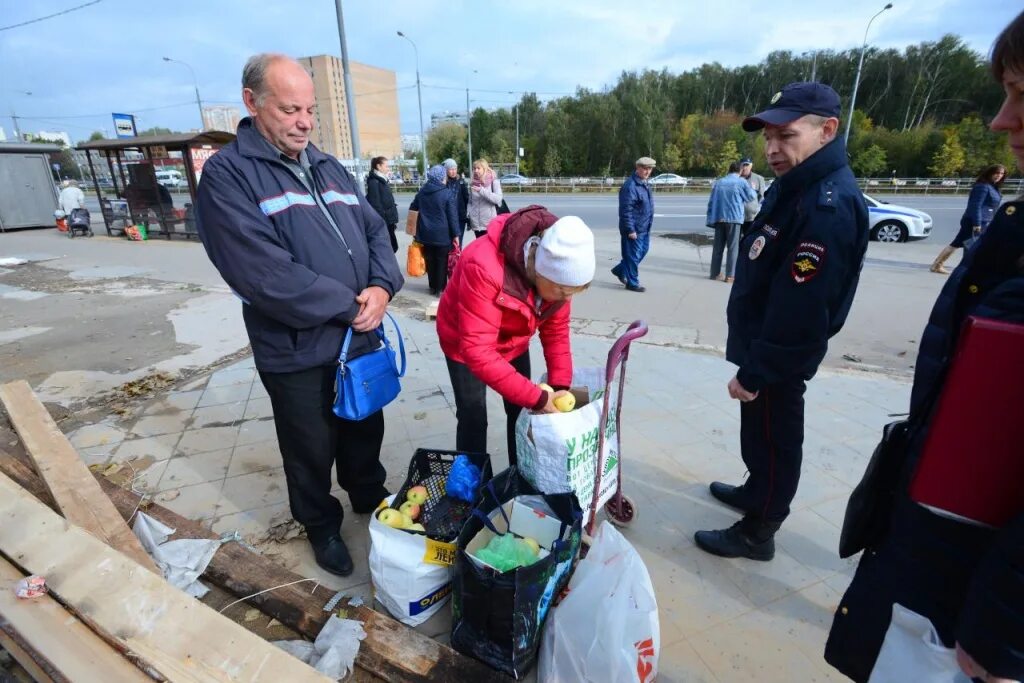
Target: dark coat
(296, 273)
(460, 191)
(798, 270)
(636, 206)
(968, 580)
(982, 204)
(381, 198)
(438, 222)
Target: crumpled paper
(334, 651)
(30, 587)
(182, 561)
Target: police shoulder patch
(756, 246)
(808, 260)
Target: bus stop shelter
(164, 205)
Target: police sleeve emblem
(756, 247)
(808, 260)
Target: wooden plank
(391, 651)
(172, 633)
(432, 310)
(60, 645)
(70, 482)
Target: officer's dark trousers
(312, 439)
(771, 439)
(633, 252)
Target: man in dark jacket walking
(381, 198)
(795, 282)
(288, 229)
(636, 215)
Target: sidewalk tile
(257, 408)
(198, 502)
(232, 393)
(207, 439)
(230, 376)
(255, 457)
(225, 415)
(156, 425)
(101, 434)
(174, 402)
(679, 662)
(188, 470)
(260, 429)
(256, 490)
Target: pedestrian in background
(456, 184)
(484, 198)
(437, 227)
(71, 197)
(636, 216)
(381, 198)
(794, 288)
(981, 206)
(758, 185)
(726, 206)
(965, 578)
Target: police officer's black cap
(792, 102)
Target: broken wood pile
(109, 615)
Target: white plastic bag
(412, 574)
(913, 651)
(617, 642)
(557, 452)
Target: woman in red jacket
(514, 282)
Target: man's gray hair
(254, 73)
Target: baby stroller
(79, 221)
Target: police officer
(797, 274)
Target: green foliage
(949, 159)
(447, 141)
(869, 162)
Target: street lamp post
(350, 102)
(860, 65)
(14, 117)
(469, 127)
(419, 97)
(199, 102)
(510, 92)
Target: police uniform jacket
(798, 270)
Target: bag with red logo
(618, 642)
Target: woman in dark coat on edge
(981, 207)
(378, 193)
(967, 579)
(437, 227)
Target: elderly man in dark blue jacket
(290, 232)
(636, 215)
(795, 281)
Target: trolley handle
(620, 349)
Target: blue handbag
(366, 384)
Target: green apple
(391, 517)
(417, 494)
(416, 527)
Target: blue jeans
(633, 252)
(726, 235)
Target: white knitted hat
(565, 254)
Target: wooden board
(432, 310)
(70, 482)
(54, 641)
(391, 651)
(172, 633)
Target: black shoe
(636, 288)
(621, 279)
(332, 556)
(364, 505)
(733, 496)
(752, 540)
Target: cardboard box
(528, 517)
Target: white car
(515, 179)
(892, 223)
(669, 179)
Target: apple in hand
(565, 402)
(391, 517)
(546, 387)
(410, 508)
(417, 494)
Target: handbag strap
(343, 354)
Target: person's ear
(829, 129)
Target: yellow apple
(417, 494)
(565, 402)
(410, 508)
(546, 387)
(391, 517)
(406, 520)
(417, 527)
(534, 546)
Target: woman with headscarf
(437, 227)
(963, 578)
(484, 197)
(981, 206)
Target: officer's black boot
(332, 555)
(750, 537)
(733, 496)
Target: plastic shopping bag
(617, 643)
(415, 262)
(913, 651)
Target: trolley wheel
(90, 233)
(621, 517)
(71, 233)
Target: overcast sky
(107, 57)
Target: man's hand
(373, 302)
(737, 391)
(975, 670)
(631, 235)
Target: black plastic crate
(442, 516)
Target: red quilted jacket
(488, 311)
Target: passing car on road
(669, 179)
(515, 179)
(892, 223)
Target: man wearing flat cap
(636, 215)
(797, 273)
